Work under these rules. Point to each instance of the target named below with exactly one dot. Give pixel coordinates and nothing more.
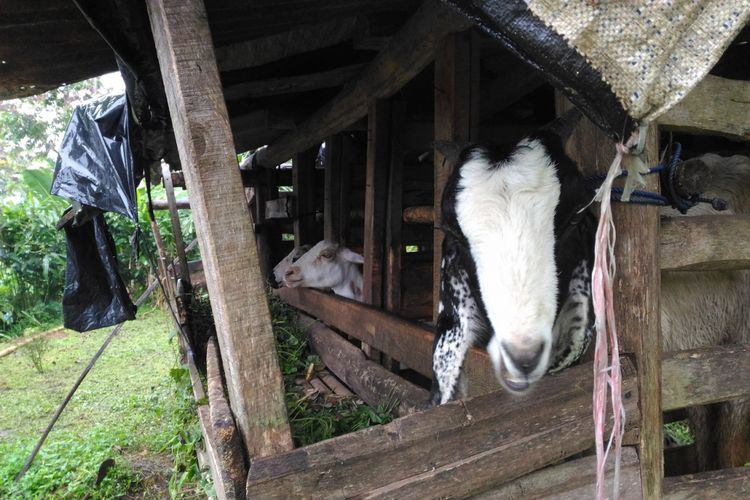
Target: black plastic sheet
(95, 164)
(95, 168)
(95, 295)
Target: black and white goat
(516, 261)
(515, 278)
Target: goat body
(515, 278)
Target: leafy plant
(35, 350)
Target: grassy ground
(133, 408)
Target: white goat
(325, 265)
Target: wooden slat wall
(222, 220)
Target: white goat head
(516, 261)
(328, 265)
(280, 269)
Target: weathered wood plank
(486, 441)
(704, 376)
(332, 216)
(407, 341)
(705, 243)
(227, 445)
(281, 208)
(637, 288)
(725, 484)
(456, 120)
(278, 46)
(572, 480)
(303, 182)
(222, 221)
(418, 215)
(373, 383)
(393, 242)
(408, 52)
(715, 106)
(290, 84)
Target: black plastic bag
(95, 166)
(95, 295)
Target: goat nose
(525, 360)
(291, 271)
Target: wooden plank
(704, 376)
(332, 213)
(637, 288)
(303, 182)
(715, 106)
(456, 120)
(393, 243)
(291, 84)
(725, 484)
(407, 341)
(271, 48)
(222, 221)
(376, 198)
(408, 53)
(227, 445)
(484, 441)
(572, 480)
(164, 205)
(705, 243)
(281, 208)
(418, 215)
(373, 383)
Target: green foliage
(130, 409)
(35, 351)
(679, 432)
(315, 419)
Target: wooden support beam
(228, 445)
(393, 244)
(422, 455)
(227, 243)
(271, 48)
(705, 243)
(637, 289)
(715, 106)
(303, 182)
(373, 383)
(456, 120)
(407, 341)
(332, 190)
(419, 215)
(164, 205)
(408, 53)
(572, 480)
(725, 483)
(291, 84)
(281, 208)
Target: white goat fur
(328, 265)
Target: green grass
(134, 408)
(315, 419)
(680, 432)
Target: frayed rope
(606, 372)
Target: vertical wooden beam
(637, 288)
(222, 220)
(637, 312)
(332, 188)
(393, 244)
(376, 197)
(456, 120)
(303, 181)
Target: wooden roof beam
(408, 52)
(278, 46)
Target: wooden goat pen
(489, 444)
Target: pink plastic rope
(607, 347)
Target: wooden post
(376, 199)
(222, 220)
(393, 244)
(303, 182)
(332, 213)
(456, 120)
(637, 288)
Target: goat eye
(326, 254)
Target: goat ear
(350, 256)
